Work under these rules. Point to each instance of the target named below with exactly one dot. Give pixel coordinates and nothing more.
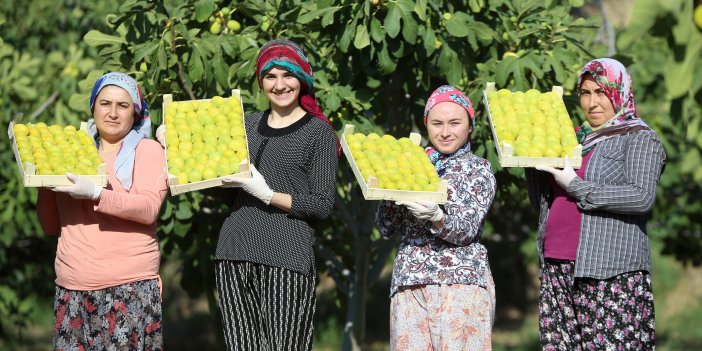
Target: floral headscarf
(611, 76)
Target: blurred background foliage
(375, 62)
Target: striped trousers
(265, 308)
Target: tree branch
(45, 105)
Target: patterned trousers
(265, 308)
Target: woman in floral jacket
(442, 293)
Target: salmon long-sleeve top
(112, 241)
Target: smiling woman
(282, 90)
(265, 269)
(441, 270)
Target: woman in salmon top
(107, 260)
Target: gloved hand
(161, 135)
(426, 210)
(563, 177)
(82, 188)
(256, 185)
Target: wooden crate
(175, 186)
(28, 170)
(370, 189)
(505, 151)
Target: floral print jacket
(453, 253)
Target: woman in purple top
(442, 294)
(596, 291)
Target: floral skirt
(595, 314)
(442, 317)
(123, 317)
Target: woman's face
(282, 89)
(448, 127)
(113, 112)
(596, 105)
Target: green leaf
(643, 17)
(461, 24)
(328, 19)
(405, 6)
(476, 5)
(376, 30)
(429, 41)
(361, 39)
(557, 69)
(167, 227)
(420, 8)
(196, 68)
(691, 161)
(332, 102)
(79, 101)
(181, 229)
(346, 36)
(308, 17)
(167, 210)
(127, 5)
(143, 50)
(183, 213)
(678, 77)
(203, 9)
(392, 20)
(458, 24)
(385, 63)
(221, 71)
(162, 57)
(96, 38)
(409, 28)
(517, 68)
(450, 66)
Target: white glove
(161, 135)
(256, 185)
(426, 210)
(82, 188)
(563, 177)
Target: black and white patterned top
(615, 197)
(299, 160)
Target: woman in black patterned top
(596, 291)
(264, 260)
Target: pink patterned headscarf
(447, 93)
(611, 76)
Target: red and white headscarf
(289, 56)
